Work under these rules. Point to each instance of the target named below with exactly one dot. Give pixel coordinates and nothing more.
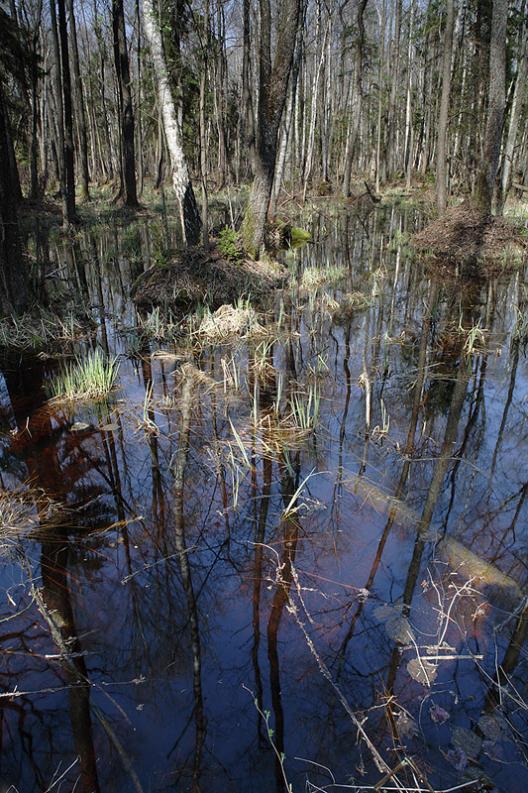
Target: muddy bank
(201, 275)
(473, 241)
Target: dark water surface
(358, 557)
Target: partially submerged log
(200, 274)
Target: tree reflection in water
(139, 621)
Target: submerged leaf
(462, 737)
(422, 671)
(397, 626)
(406, 725)
(438, 714)
(491, 727)
(458, 758)
(79, 426)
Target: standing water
(295, 555)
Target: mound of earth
(201, 275)
(471, 239)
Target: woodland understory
(295, 99)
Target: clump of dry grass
(349, 304)
(318, 277)
(44, 332)
(21, 512)
(227, 321)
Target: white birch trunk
(181, 182)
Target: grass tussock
(21, 512)
(43, 333)
(349, 304)
(89, 378)
(319, 277)
(155, 326)
(227, 321)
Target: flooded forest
(263, 396)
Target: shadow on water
(258, 536)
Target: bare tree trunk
(248, 119)
(128, 189)
(68, 192)
(489, 165)
(79, 107)
(441, 144)
(357, 106)
(181, 182)
(13, 278)
(34, 190)
(515, 113)
(281, 158)
(273, 87)
(141, 168)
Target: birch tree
(181, 180)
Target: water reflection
(201, 526)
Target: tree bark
(489, 165)
(189, 213)
(128, 190)
(515, 114)
(273, 87)
(355, 121)
(441, 143)
(69, 214)
(79, 107)
(13, 278)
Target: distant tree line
(294, 96)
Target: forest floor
(463, 240)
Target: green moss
(247, 233)
(299, 236)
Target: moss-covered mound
(471, 240)
(202, 275)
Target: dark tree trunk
(273, 88)
(68, 188)
(13, 279)
(79, 108)
(248, 120)
(128, 190)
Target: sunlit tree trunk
(273, 88)
(489, 165)
(355, 121)
(181, 182)
(515, 113)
